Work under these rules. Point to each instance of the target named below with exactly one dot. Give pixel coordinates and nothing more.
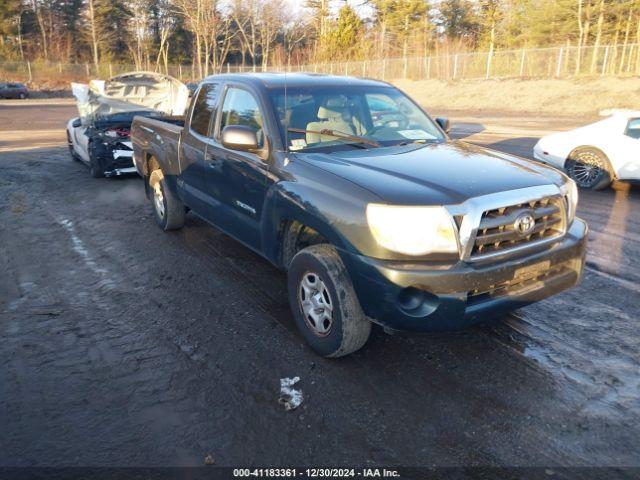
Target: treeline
(211, 33)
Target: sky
(359, 5)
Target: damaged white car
(99, 137)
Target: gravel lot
(123, 345)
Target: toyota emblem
(524, 224)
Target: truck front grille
(500, 229)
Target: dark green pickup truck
(376, 215)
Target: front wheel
(168, 210)
(95, 168)
(324, 303)
(589, 168)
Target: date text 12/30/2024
(315, 473)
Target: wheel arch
(290, 226)
(612, 170)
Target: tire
(317, 273)
(95, 168)
(168, 210)
(589, 168)
(22, 96)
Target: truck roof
(293, 80)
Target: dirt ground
(126, 346)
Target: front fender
(288, 202)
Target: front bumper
(548, 158)
(428, 297)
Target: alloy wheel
(316, 304)
(587, 169)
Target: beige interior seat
(331, 117)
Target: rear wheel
(95, 167)
(589, 168)
(168, 210)
(324, 303)
(22, 96)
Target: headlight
(412, 230)
(570, 192)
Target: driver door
(239, 179)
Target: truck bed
(170, 126)
(159, 138)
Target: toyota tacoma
(376, 215)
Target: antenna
(286, 119)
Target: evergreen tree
(458, 21)
(113, 18)
(10, 16)
(343, 40)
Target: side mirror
(76, 123)
(239, 137)
(444, 123)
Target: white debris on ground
(289, 396)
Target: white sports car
(100, 137)
(596, 154)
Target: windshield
(383, 115)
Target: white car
(100, 136)
(596, 154)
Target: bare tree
(627, 32)
(271, 21)
(596, 45)
(93, 31)
(37, 10)
(246, 17)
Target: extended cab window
(203, 108)
(633, 128)
(241, 108)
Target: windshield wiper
(338, 135)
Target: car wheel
(589, 168)
(22, 96)
(168, 210)
(324, 304)
(94, 163)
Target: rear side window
(633, 128)
(203, 108)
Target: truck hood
(436, 174)
(135, 91)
